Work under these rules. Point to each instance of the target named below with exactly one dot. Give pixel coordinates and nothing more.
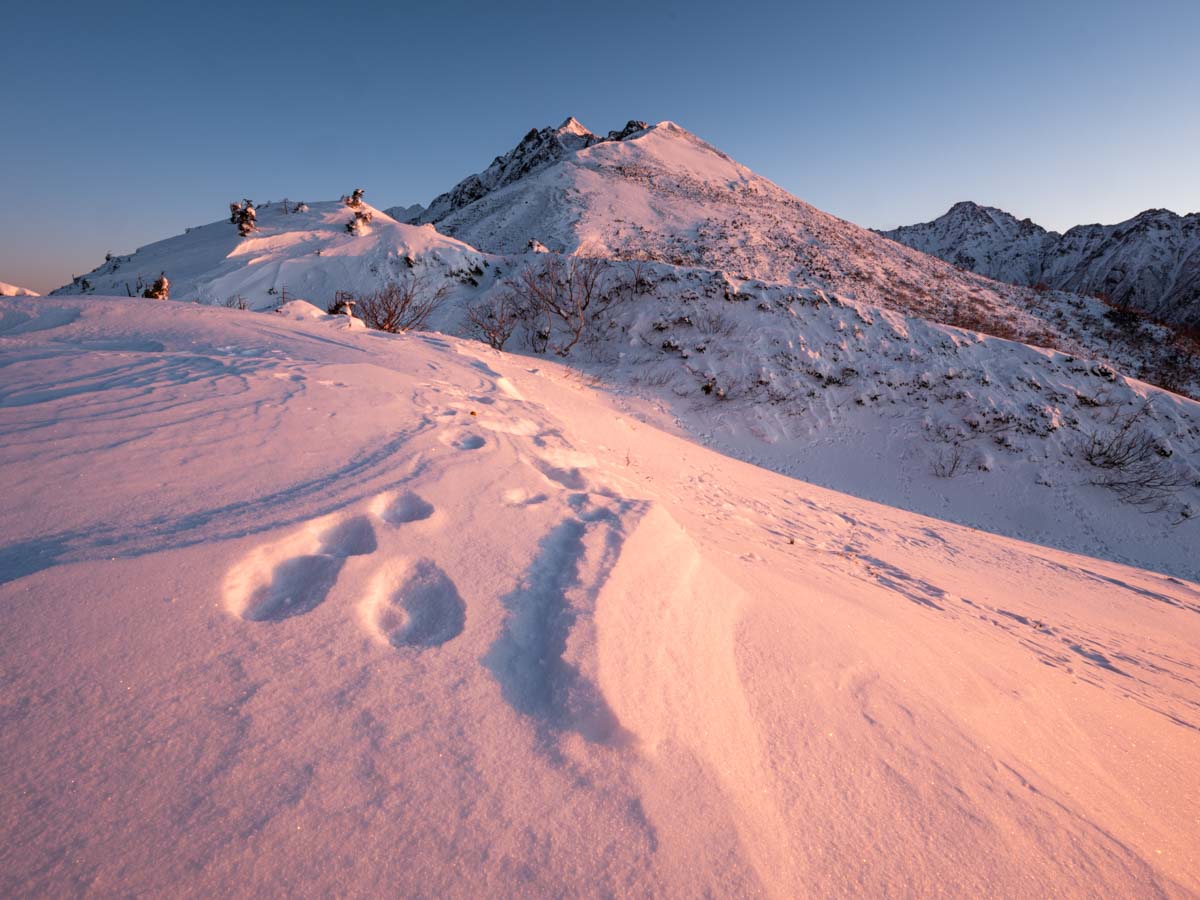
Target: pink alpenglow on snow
(293, 607)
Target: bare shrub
(948, 461)
(637, 276)
(1177, 365)
(237, 301)
(401, 305)
(715, 324)
(495, 319)
(1132, 463)
(574, 291)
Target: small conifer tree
(244, 216)
(160, 290)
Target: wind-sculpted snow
(289, 607)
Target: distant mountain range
(1150, 262)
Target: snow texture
(291, 607)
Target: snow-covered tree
(244, 216)
(160, 290)
(354, 200)
(361, 217)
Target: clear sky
(123, 123)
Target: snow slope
(1150, 262)
(290, 607)
(952, 423)
(309, 254)
(11, 290)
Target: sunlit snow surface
(292, 608)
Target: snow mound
(306, 254)
(987, 432)
(11, 290)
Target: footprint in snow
(463, 441)
(295, 575)
(469, 442)
(424, 610)
(407, 507)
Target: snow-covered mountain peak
(661, 193)
(538, 149)
(573, 126)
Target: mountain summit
(538, 149)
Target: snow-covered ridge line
(1150, 262)
(308, 253)
(664, 194)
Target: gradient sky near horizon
(126, 122)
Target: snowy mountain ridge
(661, 193)
(1150, 262)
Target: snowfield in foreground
(291, 607)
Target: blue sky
(126, 122)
